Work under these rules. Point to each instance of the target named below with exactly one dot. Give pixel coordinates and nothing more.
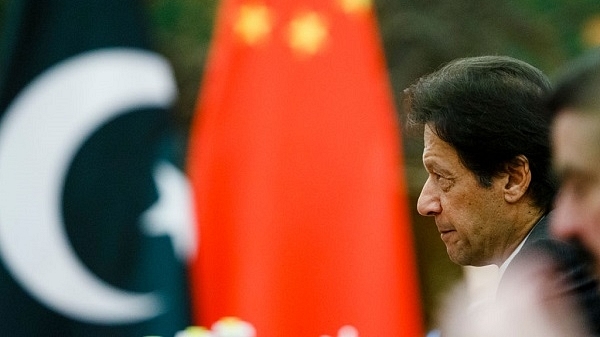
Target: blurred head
(487, 152)
(575, 106)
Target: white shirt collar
(505, 264)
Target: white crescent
(39, 135)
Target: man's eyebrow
(434, 165)
(568, 172)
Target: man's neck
(523, 235)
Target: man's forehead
(580, 126)
(438, 154)
(576, 142)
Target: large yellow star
(254, 23)
(591, 32)
(356, 6)
(307, 33)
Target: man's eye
(579, 187)
(443, 182)
(576, 187)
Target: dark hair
(578, 85)
(490, 109)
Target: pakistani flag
(95, 223)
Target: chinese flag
(296, 164)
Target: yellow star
(307, 33)
(356, 6)
(254, 23)
(591, 32)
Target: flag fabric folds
(90, 242)
(296, 164)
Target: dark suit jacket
(573, 265)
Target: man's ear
(519, 178)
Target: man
(576, 149)
(487, 152)
(575, 107)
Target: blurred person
(575, 105)
(575, 108)
(490, 187)
(532, 305)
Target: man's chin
(465, 260)
(458, 259)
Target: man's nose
(429, 200)
(566, 218)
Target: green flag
(95, 224)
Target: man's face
(576, 149)
(469, 216)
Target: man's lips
(445, 233)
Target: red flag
(295, 160)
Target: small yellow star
(591, 32)
(254, 23)
(307, 33)
(356, 6)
